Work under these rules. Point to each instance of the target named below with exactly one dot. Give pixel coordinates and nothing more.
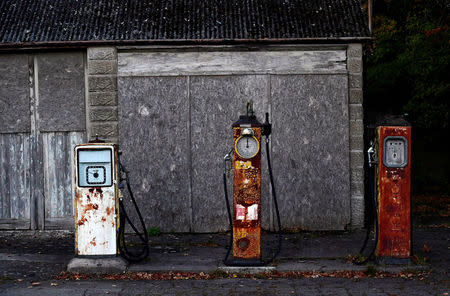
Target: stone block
(358, 204)
(103, 114)
(354, 65)
(105, 130)
(355, 80)
(354, 50)
(106, 83)
(105, 67)
(356, 128)
(357, 175)
(356, 111)
(356, 159)
(103, 98)
(355, 96)
(102, 53)
(356, 142)
(357, 188)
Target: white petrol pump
(96, 199)
(100, 213)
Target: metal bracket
(372, 158)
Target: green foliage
(153, 231)
(371, 270)
(408, 63)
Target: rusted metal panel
(15, 181)
(58, 172)
(247, 202)
(394, 238)
(96, 213)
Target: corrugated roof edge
(55, 44)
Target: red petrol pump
(394, 187)
(389, 158)
(245, 241)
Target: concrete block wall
(355, 82)
(102, 112)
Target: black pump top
(248, 118)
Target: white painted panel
(231, 62)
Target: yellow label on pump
(242, 165)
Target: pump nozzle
(267, 126)
(250, 112)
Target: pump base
(392, 261)
(246, 269)
(96, 265)
(244, 262)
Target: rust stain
(108, 211)
(92, 242)
(103, 219)
(394, 238)
(82, 220)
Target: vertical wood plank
(6, 209)
(58, 174)
(14, 180)
(13, 184)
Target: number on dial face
(247, 146)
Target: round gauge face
(247, 146)
(95, 175)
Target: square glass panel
(395, 152)
(94, 167)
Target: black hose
(277, 211)
(124, 251)
(280, 239)
(225, 190)
(373, 221)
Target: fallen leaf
(426, 249)
(53, 284)
(35, 284)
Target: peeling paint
(94, 225)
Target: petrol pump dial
(95, 174)
(247, 146)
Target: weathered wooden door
(42, 110)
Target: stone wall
(355, 80)
(102, 93)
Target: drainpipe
(369, 14)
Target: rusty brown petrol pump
(389, 159)
(394, 202)
(245, 240)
